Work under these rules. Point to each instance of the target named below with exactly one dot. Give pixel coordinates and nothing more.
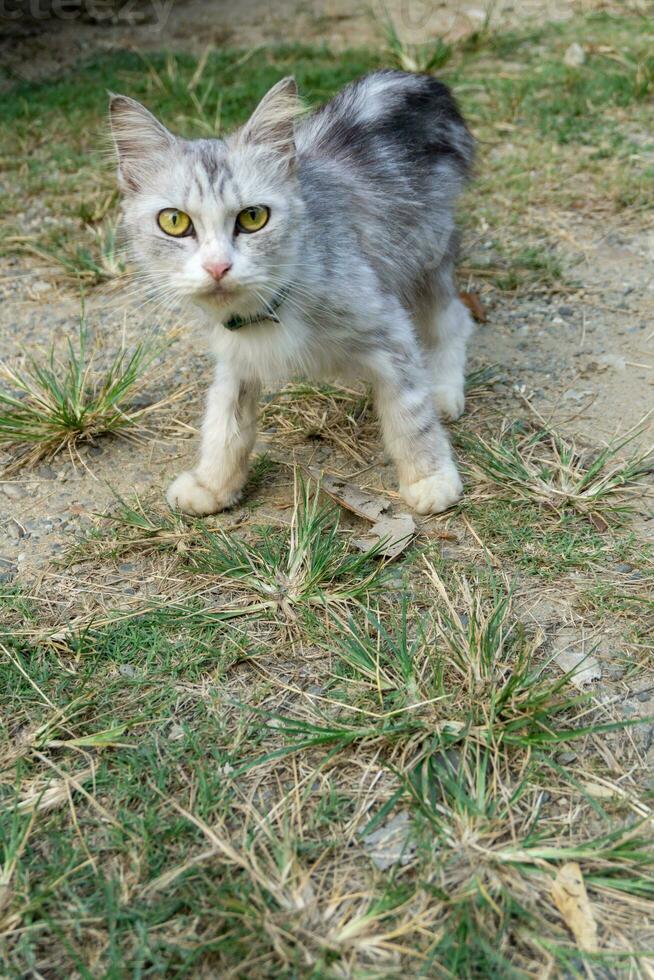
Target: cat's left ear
(273, 121)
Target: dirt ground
(31, 47)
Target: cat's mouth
(221, 292)
(227, 299)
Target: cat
(316, 244)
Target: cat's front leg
(228, 433)
(414, 437)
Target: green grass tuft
(51, 407)
(311, 565)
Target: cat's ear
(272, 122)
(140, 140)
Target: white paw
(434, 493)
(188, 494)
(450, 401)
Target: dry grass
(538, 465)
(337, 417)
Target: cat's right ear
(139, 138)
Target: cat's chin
(219, 302)
(219, 309)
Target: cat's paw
(190, 495)
(434, 493)
(450, 401)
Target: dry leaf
(362, 503)
(570, 898)
(475, 305)
(396, 530)
(598, 522)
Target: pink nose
(217, 269)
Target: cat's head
(212, 220)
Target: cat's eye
(253, 218)
(174, 222)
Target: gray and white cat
(315, 245)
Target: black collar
(268, 313)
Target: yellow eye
(253, 218)
(174, 222)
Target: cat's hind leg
(412, 431)
(448, 326)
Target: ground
(243, 746)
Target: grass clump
(100, 260)
(312, 564)
(541, 466)
(465, 668)
(51, 407)
(335, 415)
(426, 57)
(456, 704)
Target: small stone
(583, 668)
(645, 695)
(624, 567)
(574, 56)
(16, 530)
(13, 490)
(575, 395)
(127, 670)
(566, 758)
(390, 843)
(566, 311)
(614, 671)
(615, 361)
(95, 450)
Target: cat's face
(211, 220)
